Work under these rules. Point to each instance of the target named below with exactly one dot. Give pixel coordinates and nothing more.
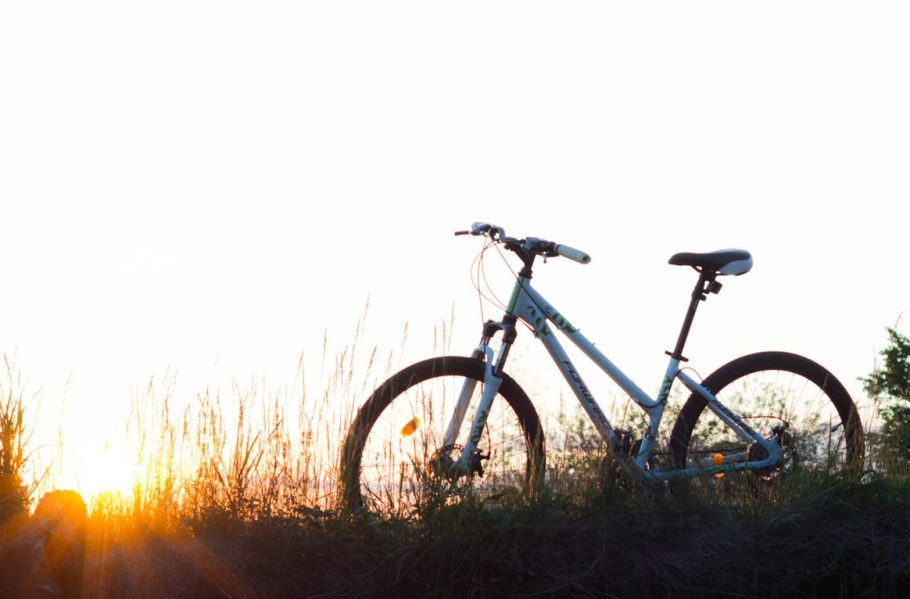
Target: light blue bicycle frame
(530, 307)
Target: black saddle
(723, 262)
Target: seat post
(706, 284)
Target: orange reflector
(719, 461)
(408, 429)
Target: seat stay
(728, 416)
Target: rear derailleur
(758, 453)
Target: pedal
(477, 462)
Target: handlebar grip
(572, 254)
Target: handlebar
(531, 245)
(572, 254)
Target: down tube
(597, 416)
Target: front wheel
(782, 396)
(396, 463)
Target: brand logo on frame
(593, 408)
(540, 322)
(561, 323)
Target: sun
(99, 466)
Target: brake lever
(480, 228)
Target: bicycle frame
(529, 306)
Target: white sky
(208, 187)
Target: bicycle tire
(768, 388)
(388, 472)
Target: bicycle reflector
(718, 461)
(408, 429)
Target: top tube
(534, 310)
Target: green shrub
(889, 386)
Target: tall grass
(235, 496)
(15, 433)
(247, 453)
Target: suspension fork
(492, 380)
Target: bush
(889, 387)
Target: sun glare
(101, 466)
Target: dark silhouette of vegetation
(833, 537)
(247, 513)
(14, 435)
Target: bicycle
(764, 414)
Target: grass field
(241, 502)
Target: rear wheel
(396, 463)
(781, 396)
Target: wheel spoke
(396, 460)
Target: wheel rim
(780, 405)
(403, 467)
